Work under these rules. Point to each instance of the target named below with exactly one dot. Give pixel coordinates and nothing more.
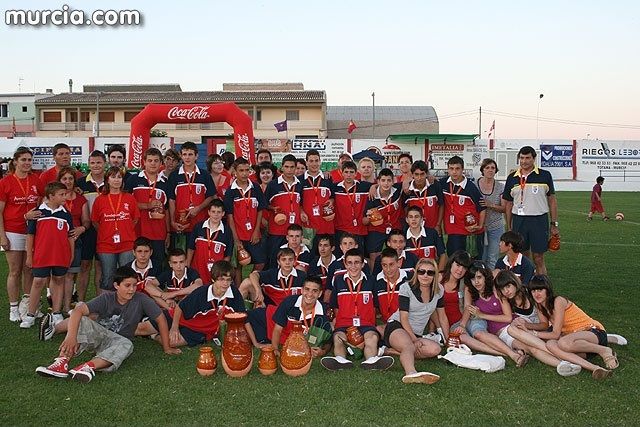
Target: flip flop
(522, 360)
(601, 374)
(611, 362)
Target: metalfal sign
(153, 114)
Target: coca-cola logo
(136, 151)
(243, 144)
(197, 112)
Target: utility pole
(480, 123)
(373, 130)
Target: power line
(422, 120)
(562, 121)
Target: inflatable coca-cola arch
(153, 114)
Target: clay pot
(268, 363)
(328, 213)
(470, 219)
(554, 243)
(280, 218)
(244, 258)
(454, 340)
(156, 214)
(295, 356)
(237, 354)
(206, 364)
(354, 337)
(375, 217)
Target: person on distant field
(20, 193)
(418, 299)
(596, 200)
(116, 317)
(511, 246)
(531, 206)
(51, 230)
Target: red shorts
(596, 206)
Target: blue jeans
(491, 247)
(110, 263)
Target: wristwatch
(554, 223)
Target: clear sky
(456, 56)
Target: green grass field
(597, 267)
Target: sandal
(601, 374)
(611, 362)
(522, 360)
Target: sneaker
(435, 337)
(83, 373)
(381, 350)
(23, 306)
(335, 363)
(567, 369)
(47, 328)
(616, 339)
(56, 317)
(28, 321)
(421, 378)
(378, 363)
(58, 369)
(14, 314)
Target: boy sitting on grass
(117, 315)
(174, 284)
(511, 244)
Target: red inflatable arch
(153, 114)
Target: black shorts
(374, 242)
(41, 272)
(534, 230)
(89, 242)
(602, 336)
(388, 330)
(362, 329)
(192, 337)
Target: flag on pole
(281, 126)
(491, 130)
(352, 126)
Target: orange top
(577, 320)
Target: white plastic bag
(462, 356)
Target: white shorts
(17, 241)
(506, 338)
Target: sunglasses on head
(422, 271)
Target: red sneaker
(58, 369)
(83, 373)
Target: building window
(293, 115)
(129, 115)
(258, 115)
(4, 110)
(72, 116)
(52, 116)
(24, 108)
(107, 116)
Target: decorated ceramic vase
(295, 356)
(354, 337)
(554, 243)
(237, 354)
(206, 364)
(375, 217)
(469, 219)
(328, 213)
(244, 258)
(454, 340)
(183, 217)
(268, 363)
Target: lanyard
(390, 291)
(210, 240)
(190, 182)
(416, 241)
(178, 284)
(142, 276)
(308, 326)
(220, 309)
(350, 285)
(523, 184)
(25, 190)
(287, 283)
(152, 190)
(115, 209)
(292, 191)
(453, 195)
(352, 199)
(246, 196)
(315, 188)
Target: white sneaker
(616, 339)
(421, 378)
(57, 318)
(14, 314)
(381, 350)
(27, 321)
(435, 337)
(23, 306)
(567, 369)
(378, 363)
(335, 363)
(47, 328)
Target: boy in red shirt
(316, 194)
(427, 197)
(351, 198)
(51, 230)
(302, 254)
(596, 200)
